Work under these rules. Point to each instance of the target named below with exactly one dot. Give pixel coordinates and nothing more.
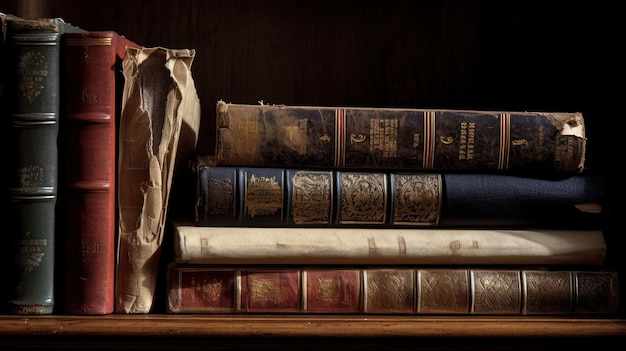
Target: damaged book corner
(158, 132)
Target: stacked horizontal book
(394, 211)
(288, 197)
(389, 290)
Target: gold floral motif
(329, 290)
(221, 192)
(31, 176)
(443, 291)
(311, 200)
(363, 198)
(265, 290)
(207, 290)
(32, 70)
(496, 292)
(547, 292)
(417, 199)
(29, 252)
(390, 290)
(264, 196)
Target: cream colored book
(246, 245)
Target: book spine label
(248, 245)
(265, 197)
(32, 96)
(390, 290)
(400, 139)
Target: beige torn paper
(159, 124)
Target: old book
(390, 290)
(160, 110)
(400, 246)
(536, 143)
(31, 103)
(274, 197)
(90, 104)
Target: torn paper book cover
(159, 100)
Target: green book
(31, 104)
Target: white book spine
(244, 245)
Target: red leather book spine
(331, 290)
(196, 288)
(267, 290)
(200, 289)
(92, 87)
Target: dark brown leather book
(31, 103)
(390, 290)
(91, 104)
(532, 143)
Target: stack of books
(300, 209)
(306, 209)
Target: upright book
(274, 197)
(160, 111)
(391, 290)
(534, 143)
(90, 104)
(31, 94)
(386, 246)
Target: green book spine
(32, 96)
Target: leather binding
(91, 107)
(31, 94)
(265, 197)
(532, 143)
(392, 290)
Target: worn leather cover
(269, 290)
(203, 289)
(31, 104)
(537, 143)
(91, 106)
(394, 290)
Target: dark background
(493, 55)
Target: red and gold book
(273, 290)
(196, 288)
(92, 81)
(331, 290)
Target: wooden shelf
(239, 331)
(309, 326)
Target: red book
(331, 290)
(269, 290)
(393, 290)
(91, 98)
